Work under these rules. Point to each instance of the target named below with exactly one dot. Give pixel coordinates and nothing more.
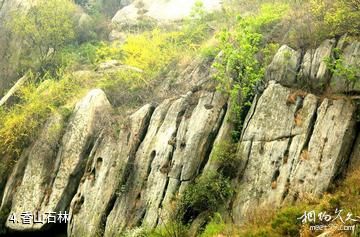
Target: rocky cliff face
(294, 143)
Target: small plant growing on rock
(225, 155)
(207, 194)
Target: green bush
(171, 229)
(337, 17)
(338, 67)
(240, 68)
(215, 227)
(20, 123)
(207, 194)
(224, 154)
(286, 222)
(73, 57)
(43, 30)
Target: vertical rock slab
(290, 148)
(314, 71)
(350, 57)
(328, 151)
(284, 66)
(105, 170)
(128, 210)
(25, 187)
(271, 142)
(82, 129)
(195, 137)
(224, 136)
(174, 150)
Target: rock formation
(294, 143)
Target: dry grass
(305, 155)
(292, 97)
(298, 120)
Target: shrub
(19, 124)
(44, 30)
(339, 68)
(225, 155)
(108, 51)
(171, 229)
(74, 57)
(151, 51)
(338, 16)
(240, 68)
(207, 194)
(286, 221)
(196, 27)
(215, 227)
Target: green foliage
(43, 29)
(19, 124)
(207, 194)
(224, 154)
(215, 227)
(73, 57)
(151, 51)
(107, 51)
(146, 56)
(196, 27)
(337, 17)
(240, 68)
(286, 221)
(171, 229)
(339, 68)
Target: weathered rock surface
(50, 181)
(179, 138)
(291, 148)
(34, 165)
(314, 71)
(284, 66)
(350, 56)
(105, 168)
(293, 144)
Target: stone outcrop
(106, 166)
(312, 70)
(294, 144)
(350, 56)
(284, 67)
(291, 147)
(53, 171)
(174, 150)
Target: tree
(45, 28)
